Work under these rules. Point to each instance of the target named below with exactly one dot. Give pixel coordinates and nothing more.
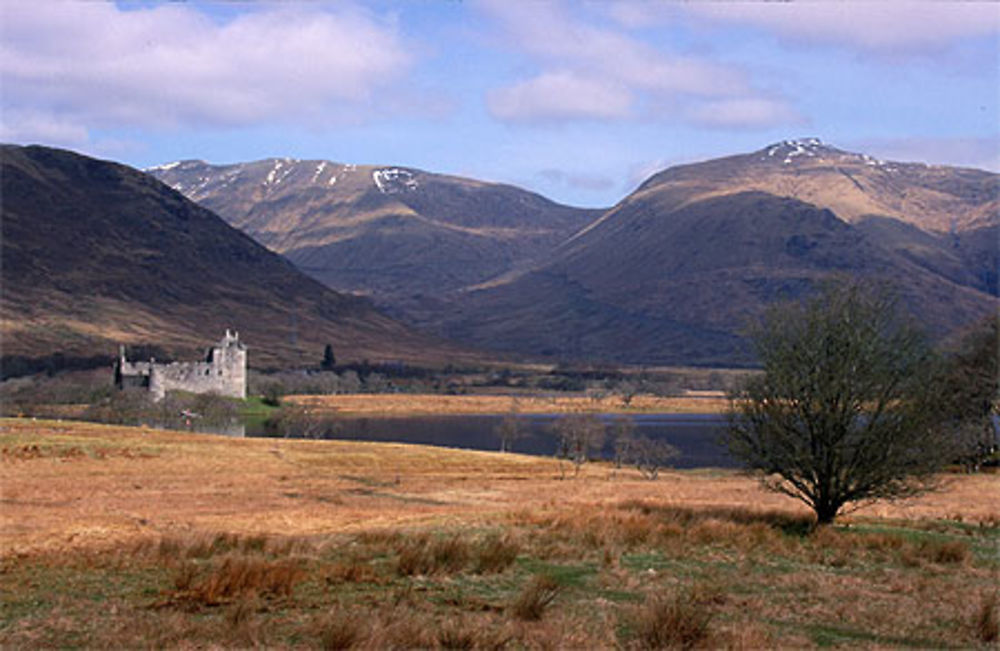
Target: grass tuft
(678, 621)
(351, 571)
(535, 597)
(495, 554)
(340, 629)
(942, 552)
(426, 555)
(466, 633)
(986, 623)
(235, 577)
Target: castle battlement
(224, 372)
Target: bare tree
(622, 439)
(651, 455)
(843, 411)
(969, 391)
(577, 436)
(627, 390)
(597, 391)
(510, 428)
(295, 421)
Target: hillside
(96, 253)
(942, 218)
(392, 233)
(670, 275)
(674, 273)
(854, 186)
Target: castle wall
(132, 375)
(224, 372)
(195, 377)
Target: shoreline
(396, 404)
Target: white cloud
(33, 127)
(897, 27)
(87, 65)
(596, 71)
(559, 96)
(577, 180)
(558, 39)
(743, 113)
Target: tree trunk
(825, 513)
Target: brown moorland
(436, 404)
(134, 537)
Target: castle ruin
(224, 372)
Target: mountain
(854, 186)
(675, 271)
(399, 235)
(939, 217)
(670, 275)
(95, 253)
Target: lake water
(695, 435)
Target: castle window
(207, 371)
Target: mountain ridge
(96, 253)
(389, 232)
(672, 272)
(854, 185)
(636, 289)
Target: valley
(395, 235)
(499, 325)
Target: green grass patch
(826, 635)
(570, 576)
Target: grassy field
(135, 538)
(430, 404)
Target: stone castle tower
(224, 372)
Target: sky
(579, 101)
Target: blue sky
(577, 100)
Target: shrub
(986, 623)
(537, 595)
(235, 577)
(355, 571)
(945, 552)
(677, 621)
(272, 394)
(424, 555)
(495, 554)
(340, 629)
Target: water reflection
(695, 435)
(233, 427)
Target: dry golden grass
(69, 485)
(435, 404)
(134, 538)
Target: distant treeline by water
(696, 436)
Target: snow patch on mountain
(791, 151)
(163, 168)
(319, 170)
(282, 168)
(394, 180)
(787, 150)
